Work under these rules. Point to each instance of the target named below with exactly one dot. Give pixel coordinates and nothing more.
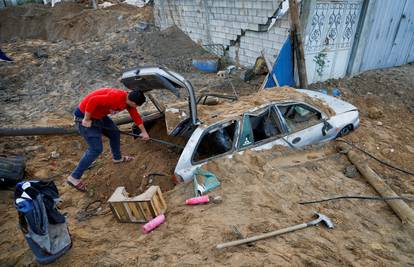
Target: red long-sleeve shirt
(105, 101)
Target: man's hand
(86, 123)
(144, 136)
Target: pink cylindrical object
(197, 200)
(154, 223)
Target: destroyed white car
(278, 116)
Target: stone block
(266, 5)
(253, 26)
(285, 24)
(242, 11)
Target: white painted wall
(222, 22)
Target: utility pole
(297, 43)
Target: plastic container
(206, 65)
(336, 92)
(154, 223)
(197, 200)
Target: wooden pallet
(141, 208)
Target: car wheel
(346, 130)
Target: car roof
(227, 110)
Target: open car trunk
(180, 118)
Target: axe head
(321, 218)
(324, 219)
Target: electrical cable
(355, 197)
(377, 159)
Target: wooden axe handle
(262, 236)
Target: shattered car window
(260, 126)
(299, 116)
(216, 142)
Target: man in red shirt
(93, 110)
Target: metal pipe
(67, 129)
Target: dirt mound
(229, 109)
(391, 86)
(260, 192)
(66, 21)
(173, 48)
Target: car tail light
(177, 179)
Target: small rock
(217, 199)
(40, 53)
(374, 113)
(350, 171)
(379, 123)
(32, 148)
(155, 257)
(76, 144)
(54, 155)
(142, 26)
(247, 75)
(392, 150)
(42, 173)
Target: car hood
(339, 106)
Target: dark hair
(137, 97)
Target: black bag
(11, 170)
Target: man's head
(136, 98)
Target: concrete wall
(236, 24)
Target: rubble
(259, 191)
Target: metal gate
(386, 36)
(328, 38)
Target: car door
(261, 128)
(305, 124)
(205, 144)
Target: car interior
(216, 142)
(299, 116)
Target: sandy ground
(261, 191)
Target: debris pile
(72, 51)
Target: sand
(260, 192)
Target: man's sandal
(123, 159)
(79, 186)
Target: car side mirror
(326, 127)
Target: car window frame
(286, 126)
(209, 128)
(268, 140)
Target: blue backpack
(43, 226)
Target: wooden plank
(123, 216)
(161, 198)
(146, 218)
(135, 212)
(147, 210)
(403, 211)
(115, 212)
(153, 209)
(297, 40)
(156, 205)
(128, 212)
(269, 68)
